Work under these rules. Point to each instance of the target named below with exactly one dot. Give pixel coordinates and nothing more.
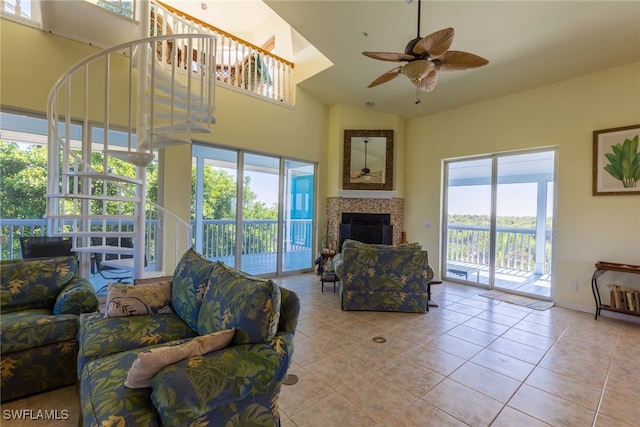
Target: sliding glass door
(214, 201)
(468, 214)
(524, 222)
(261, 223)
(499, 221)
(260, 208)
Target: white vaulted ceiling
(528, 44)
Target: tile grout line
(606, 379)
(536, 365)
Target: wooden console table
(601, 268)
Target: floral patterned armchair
(383, 278)
(40, 300)
(236, 385)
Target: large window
(24, 184)
(262, 222)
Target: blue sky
(513, 200)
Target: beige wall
(564, 115)
(31, 67)
(349, 117)
(32, 62)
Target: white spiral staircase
(142, 96)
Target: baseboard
(603, 313)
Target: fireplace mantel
(368, 194)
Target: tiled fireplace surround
(337, 205)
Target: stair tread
(163, 102)
(94, 234)
(92, 197)
(105, 249)
(94, 217)
(104, 176)
(180, 103)
(134, 157)
(180, 126)
(181, 115)
(166, 140)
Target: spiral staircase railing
(158, 95)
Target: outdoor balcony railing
(259, 236)
(469, 244)
(515, 247)
(12, 229)
(218, 236)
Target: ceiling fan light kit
(425, 56)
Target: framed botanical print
(616, 161)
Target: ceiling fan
(365, 171)
(425, 56)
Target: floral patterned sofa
(40, 300)
(234, 383)
(383, 277)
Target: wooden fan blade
(436, 43)
(389, 56)
(428, 83)
(389, 75)
(454, 60)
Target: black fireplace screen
(366, 228)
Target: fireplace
(336, 206)
(366, 228)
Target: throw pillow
(189, 284)
(128, 300)
(235, 299)
(148, 363)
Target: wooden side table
(324, 258)
(328, 276)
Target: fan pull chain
(418, 101)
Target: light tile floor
(470, 362)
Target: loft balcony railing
(515, 247)
(239, 64)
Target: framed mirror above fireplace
(368, 160)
